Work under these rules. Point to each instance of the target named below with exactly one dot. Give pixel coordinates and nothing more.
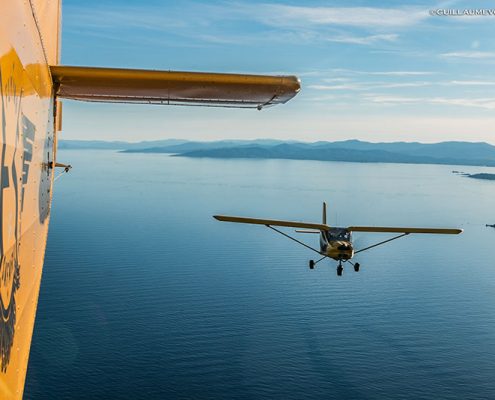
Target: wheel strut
(355, 265)
(312, 263)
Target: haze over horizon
(388, 73)
(261, 139)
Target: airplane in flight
(335, 242)
(32, 85)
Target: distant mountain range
(117, 145)
(455, 153)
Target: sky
(376, 71)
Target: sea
(145, 296)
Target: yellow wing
(274, 222)
(444, 231)
(169, 87)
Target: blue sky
(374, 72)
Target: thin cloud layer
(363, 58)
(365, 40)
(362, 17)
(470, 54)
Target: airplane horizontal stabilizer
(385, 229)
(274, 222)
(172, 87)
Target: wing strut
(382, 242)
(294, 239)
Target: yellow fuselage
(339, 250)
(29, 43)
(336, 243)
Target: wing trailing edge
(172, 87)
(274, 222)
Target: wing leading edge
(442, 231)
(274, 222)
(172, 87)
(324, 227)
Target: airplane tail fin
(324, 218)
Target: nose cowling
(341, 250)
(344, 246)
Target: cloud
(384, 73)
(383, 99)
(486, 103)
(473, 83)
(330, 80)
(363, 17)
(104, 17)
(402, 85)
(269, 14)
(401, 73)
(364, 40)
(213, 22)
(370, 86)
(337, 87)
(470, 54)
(342, 85)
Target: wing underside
(272, 222)
(172, 87)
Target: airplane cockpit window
(339, 234)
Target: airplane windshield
(339, 234)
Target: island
(486, 176)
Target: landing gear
(312, 263)
(340, 267)
(355, 265)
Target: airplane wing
(274, 222)
(172, 87)
(386, 229)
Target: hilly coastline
(451, 153)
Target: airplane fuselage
(29, 43)
(337, 244)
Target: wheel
(311, 264)
(340, 269)
(356, 267)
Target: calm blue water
(145, 296)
